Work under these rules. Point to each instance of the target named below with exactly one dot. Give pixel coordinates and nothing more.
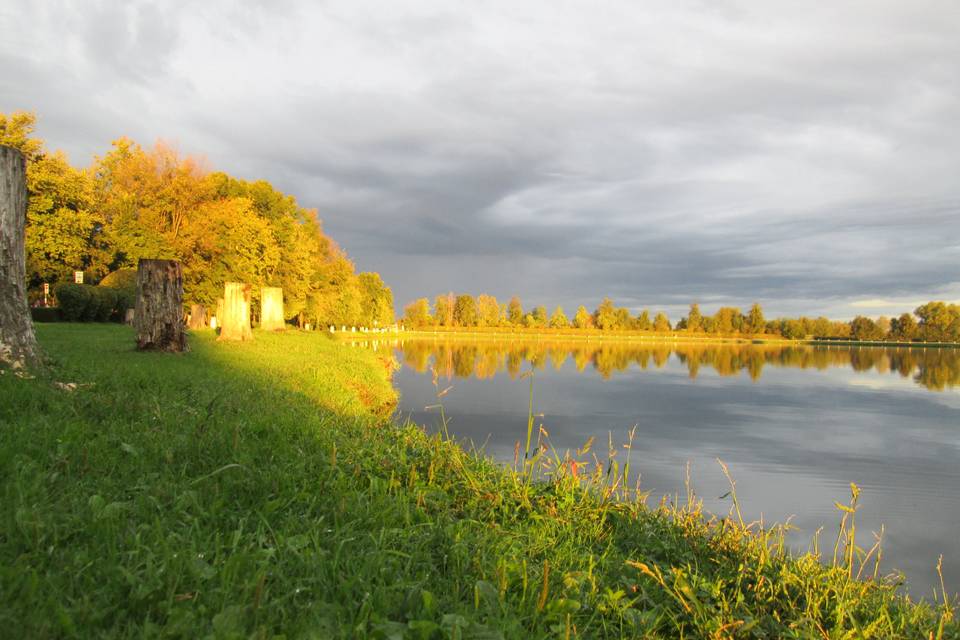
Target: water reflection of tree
(416, 355)
(939, 371)
(935, 369)
(610, 358)
(489, 362)
(514, 362)
(464, 360)
(537, 356)
(558, 355)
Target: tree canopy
(135, 202)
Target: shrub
(124, 283)
(106, 300)
(45, 314)
(120, 279)
(74, 300)
(126, 299)
(89, 313)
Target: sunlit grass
(245, 490)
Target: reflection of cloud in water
(794, 437)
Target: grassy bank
(246, 490)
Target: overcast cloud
(804, 155)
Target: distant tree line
(134, 203)
(934, 321)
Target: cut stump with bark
(198, 317)
(18, 344)
(235, 316)
(158, 318)
(271, 309)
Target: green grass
(257, 489)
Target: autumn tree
(863, 328)
(694, 321)
(582, 319)
(559, 319)
(225, 241)
(465, 311)
(376, 305)
(903, 328)
(16, 130)
(755, 322)
(417, 313)
(792, 328)
(939, 322)
(443, 310)
(643, 321)
(296, 231)
(883, 326)
(539, 316)
(515, 311)
(661, 322)
(488, 311)
(335, 297)
(819, 326)
(605, 316)
(727, 320)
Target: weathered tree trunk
(198, 316)
(271, 309)
(235, 317)
(158, 318)
(18, 344)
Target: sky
(801, 155)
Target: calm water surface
(796, 425)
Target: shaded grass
(245, 490)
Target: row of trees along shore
(133, 203)
(932, 322)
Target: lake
(795, 424)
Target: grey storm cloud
(802, 156)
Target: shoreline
(625, 337)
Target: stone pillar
(198, 316)
(235, 317)
(271, 309)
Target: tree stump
(271, 309)
(158, 318)
(198, 317)
(18, 344)
(235, 316)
